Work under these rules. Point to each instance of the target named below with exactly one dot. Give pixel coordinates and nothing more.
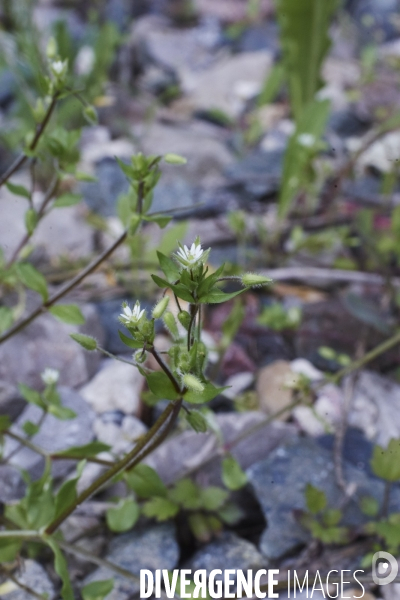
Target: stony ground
(228, 170)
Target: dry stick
(40, 129)
(340, 435)
(64, 290)
(113, 471)
(26, 588)
(339, 275)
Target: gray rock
(227, 552)
(101, 196)
(258, 174)
(143, 548)
(201, 143)
(120, 437)
(12, 485)
(11, 401)
(279, 483)
(376, 19)
(46, 343)
(33, 575)
(189, 450)
(54, 435)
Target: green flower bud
(160, 308)
(139, 356)
(184, 319)
(175, 159)
(90, 115)
(254, 280)
(51, 49)
(192, 383)
(170, 324)
(197, 421)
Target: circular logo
(384, 568)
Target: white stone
(304, 367)
(116, 387)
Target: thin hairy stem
(113, 471)
(166, 369)
(17, 164)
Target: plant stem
(166, 370)
(367, 358)
(39, 131)
(113, 471)
(64, 290)
(20, 533)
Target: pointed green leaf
(130, 342)
(385, 463)
(60, 565)
(161, 386)
(209, 393)
(123, 516)
(67, 199)
(315, 499)
(218, 296)
(31, 277)
(85, 451)
(97, 590)
(145, 482)
(233, 476)
(18, 190)
(68, 313)
(30, 395)
(168, 267)
(86, 341)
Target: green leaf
(217, 296)
(213, 498)
(31, 220)
(369, 506)
(81, 176)
(161, 509)
(130, 342)
(30, 428)
(145, 482)
(197, 421)
(168, 267)
(90, 114)
(233, 476)
(85, 451)
(161, 386)
(123, 516)
(97, 590)
(161, 220)
(66, 496)
(68, 313)
(18, 190)
(6, 318)
(5, 423)
(200, 526)
(30, 395)
(86, 341)
(331, 517)
(209, 393)
(67, 199)
(32, 279)
(186, 493)
(162, 283)
(62, 413)
(315, 499)
(60, 565)
(385, 463)
(304, 35)
(230, 513)
(9, 549)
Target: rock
(46, 343)
(238, 383)
(12, 485)
(381, 154)
(231, 11)
(304, 367)
(200, 143)
(227, 552)
(33, 575)
(101, 196)
(116, 386)
(273, 389)
(189, 450)
(54, 435)
(279, 482)
(260, 36)
(258, 174)
(234, 81)
(347, 123)
(375, 407)
(357, 450)
(325, 414)
(376, 19)
(11, 401)
(391, 591)
(143, 548)
(119, 437)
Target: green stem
(113, 471)
(166, 369)
(20, 533)
(367, 358)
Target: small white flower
(306, 139)
(58, 68)
(131, 316)
(50, 376)
(190, 257)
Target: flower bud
(139, 357)
(254, 280)
(51, 49)
(197, 421)
(170, 324)
(160, 308)
(184, 319)
(192, 383)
